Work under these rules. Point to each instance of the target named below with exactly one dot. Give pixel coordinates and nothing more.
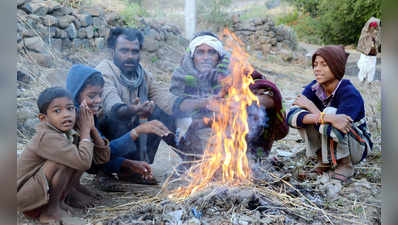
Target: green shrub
(212, 12)
(342, 20)
(131, 14)
(334, 22)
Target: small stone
(150, 43)
(71, 31)
(192, 221)
(52, 6)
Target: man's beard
(206, 66)
(128, 71)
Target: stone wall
(263, 35)
(61, 27)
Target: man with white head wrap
(203, 67)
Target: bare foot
(79, 200)
(70, 210)
(52, 215)
(82, 189)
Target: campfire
(224, 161)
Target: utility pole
(190, 18)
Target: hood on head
(76, 78)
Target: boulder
(85, 19)
(93, 11)
(66, 44)
(38, 8)
(59, 33)
(150, 42)
(35, 44)
(65, 21)
(56, 44)
(44, 60)
(62, 11)
(52, 6)
(71, 31)
(81, 33)
(99, 43)
(113, 19)
(89, 32)
(49, 20)
(21, 2)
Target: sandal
(340, 177)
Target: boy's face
(322, 72)
(93, 96)
(61, 114)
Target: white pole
(190, 18)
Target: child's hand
(340, 121)
(86, 118)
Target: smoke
(257, 121)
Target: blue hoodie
(75, 80)
(77, 75)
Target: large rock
(21, 2)
(93, 11)
(44, 60)
(38, 8)
(59, 33)
(62, 11)
(89, 32)
(52, 6)
(66, 44)
(150, 42)
(56, 44)
(71, 31)
(65, 21)
(81, 33)
(49, 20)
(100, 43)
(35, 44)
(85, 19)
(113, 19)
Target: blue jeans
(123, 147)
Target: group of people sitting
(110, 119)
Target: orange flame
(224, 160)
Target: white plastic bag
(367, 67)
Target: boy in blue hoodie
(86, 85)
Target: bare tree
(190, 18)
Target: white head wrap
(208, 40)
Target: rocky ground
(279, 197)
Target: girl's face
(93, 96)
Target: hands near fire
(142, 109)
(150, 127)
